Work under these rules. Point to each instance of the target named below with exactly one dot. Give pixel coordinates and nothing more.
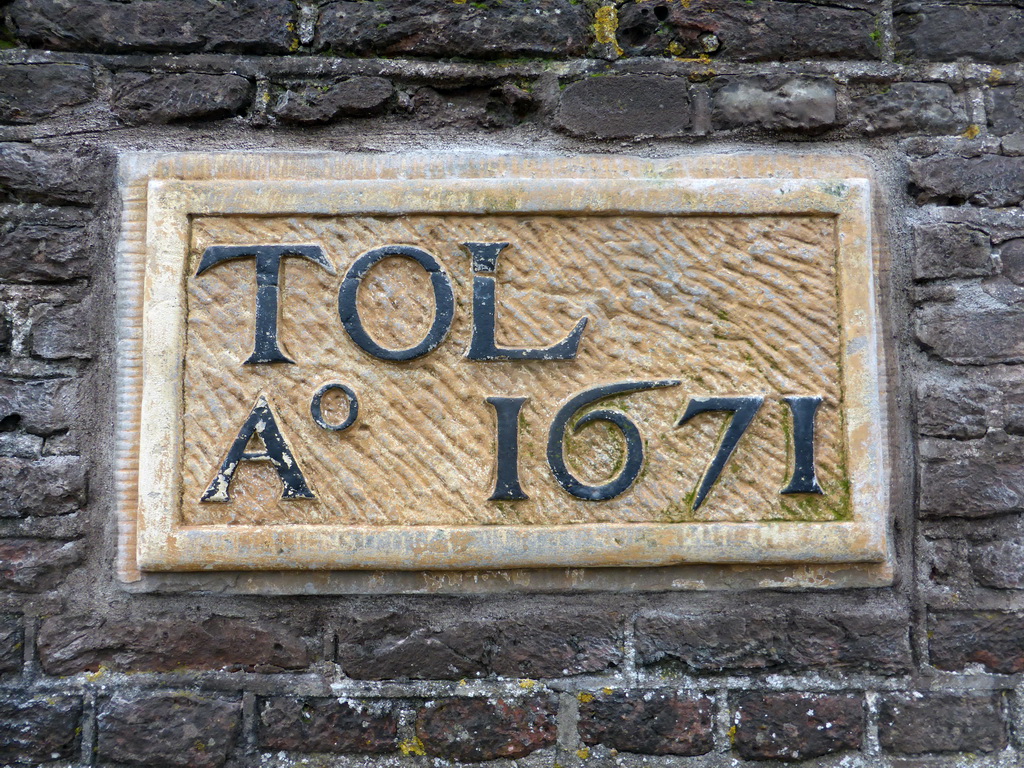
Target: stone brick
(738, 30)
(177, 26)
(307, 103)
(778, 642)
(1005, 110)
(625, 106)
(52, 485)
(12, 643)
(950, 250)
(326, 725)
(1012, 257)
(141, 97)
(994, 639)
(954, 409)
(1000, 564)
(70, 644)
(35, 565)
(975, 328)
(557, 643)
(32, 92)
(43, 248)
(908, 108)
(796, 726)
(6, 335)
(648, 722)
(774, 103)
(53, 177)
(167, 729)
(931, 31)
(919, 723)
(38, 730)
(440, 28)
(486, 729)
(41, 407)
(64, 332)
(988, 180)
(973, 479)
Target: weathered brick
(486, 729)
(307, 103)
(978, 327)
(779, 641)
(973, 479)
(233, 26)
(648, 722)
(38, 729)
(53, 177)
(933, 31)
(954, 409)
(988, 180)
(35, 565)
(930, 108)
(797, 726)
(1000, 564)
(776, 103)
(52, 485)
(556, 643)
(6, 335)
(70, 644)
(326, 725)
(919, 723)
(738, 30)
(142, 97)
(623, 106)
(994, 639)
(440, 28)
(45, 247)
(12, 643)
(950, 250)
(1011, 254)
(41, 407)
(167, 729)
(64, 332)
(32, 92)
(1005, 112)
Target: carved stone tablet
(407, 364)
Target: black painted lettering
(260, 422)
(506, 484)
(444, 302)
(268, 270)
(804, 479)
(316, 407)
(483, 346)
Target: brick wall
(926, 672)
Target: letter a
(260, 422)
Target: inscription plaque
(409, 364)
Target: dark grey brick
(648, 722)
(322, 102)
(777, 103)
(40, 407)
(999, 564)
(32, 92)
(994, 639)
(930, 108)
(326, 725)
(486, 729)
(12, 643)
(972, 479)
(36, 565)
(975, 328)
(989, 180)
(932, 31)
(625, 106)
(65, 332)
(796, 726)
(1005, 111)
(51, 485)
(51, 176)
(38, 729)
(950, 250)
(954, 409)
(141, 97)
(46, 246)
(919, 723)
(1011, 254)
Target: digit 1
(804, 479)
(506, 486)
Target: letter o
(444, 302)
(316, 411)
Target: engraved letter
(444, 302)
(506, 486)
(483, 345)
(268, 271)
(260, 422)
(316, 410)
(804, 479)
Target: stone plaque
(340, 363)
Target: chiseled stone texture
(141, 97)
(776, 103)
(46, 245)
(978, 324)
(52, 485)
(994, 639)
(951, 250)
(235, 26)
(1000, 564)
(65, 332)
(797, 726)
(648, 722)
(326, 725)
(68, 644)
(484, 729)
(626, 105)
(747, 640)
(555, 643)
(933, 31)
(989, 180)
(321, 102)
(38, 729)
(909, 108)
(177, 730)
(973, 479)
(33, 174)
(33, 92)
(917, 723)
